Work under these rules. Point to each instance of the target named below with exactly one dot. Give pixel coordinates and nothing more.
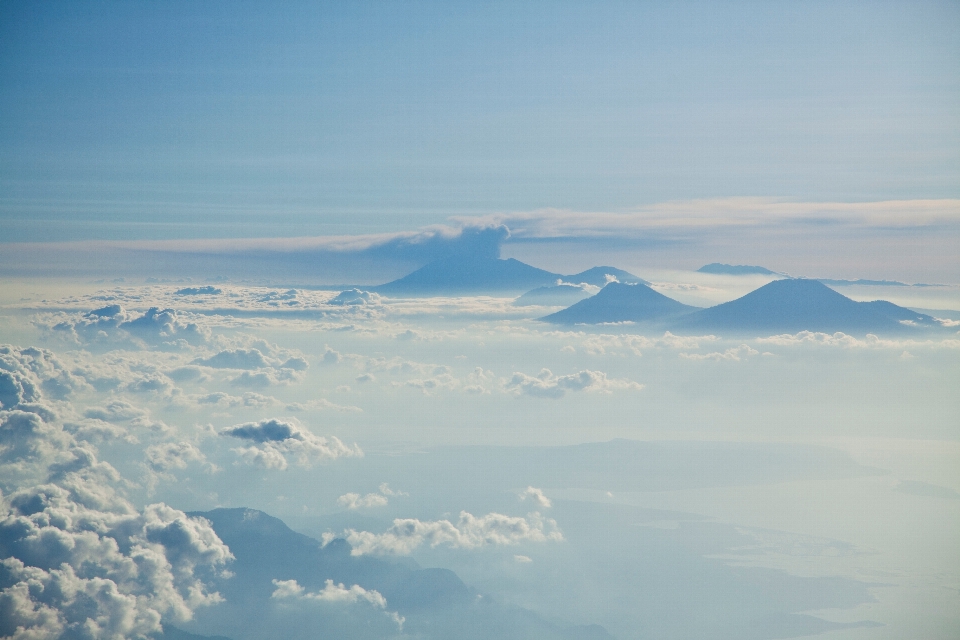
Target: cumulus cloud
(78, 572)
(115, 411)
(334, 593)
(547, 385)
(154, 327)
(235, 359)
(172, 455)
(79, 559)
(870, 341)
(470, 532)
(25, 372)
(275, 440)
(733, 353)
(355, 297)
(357, 501)
(536, 496)
(95, 430)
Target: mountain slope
(794, 305)
(434, 603)
(469, 275)
(618, 302)
(597, 276)
(735, 269)
(558, 295)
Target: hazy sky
(216, 119)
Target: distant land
(736, 270)
(562, 294)
(786, 305)
(793, 305)
(620, 302)
(783, 305)
(471, 275)
(434, 601)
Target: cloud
(274, 440)
(77, 571)
(80, 560)
(172, 455)
(113, 323)
(356, 501)
(733, 353)
(536, 495)
(870, 341)
(719, 213)
(341, 256)
(26, 372)
(115, 411)
(247, 399)
(336, 594)
(470, 532)
(95, 430)
(355, 297)
(547, 385)
(235, 359)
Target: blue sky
(146, 121)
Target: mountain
(558, 295)
(597, 276)
(472, 275)
(434, 603)
(735, 270)
(619, 302)
(793, 305)
(469, 275)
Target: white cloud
(356, 501)
(235, 359)
(536, 495)
(334, 593)
(870, 341)
(470, 532)
(355, 297)
(274, 440)
(719, 213)
(547, 385)
(733, 353)
(80, 559)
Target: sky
(205, 120)
(213, 424)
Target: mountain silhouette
(735, 269)
(597, 276)
(469, 275)
(558, 295)
(619, 302)
(473, 274)
(793, 305)
(435, 603)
